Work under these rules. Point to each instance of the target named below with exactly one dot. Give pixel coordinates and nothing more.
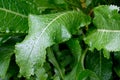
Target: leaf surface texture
(46, 30)
(107, 33)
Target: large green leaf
(13, 15)
(100, 65)
(5, 55)
(107, 22)
(46, 30)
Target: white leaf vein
(12, 12)
(104, 30)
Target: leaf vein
(104, 30)
(43, 32)
(12, 12)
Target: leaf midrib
(105, 30)
(57, 17)
(13, 12)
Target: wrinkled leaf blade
(14, 14)
(106, 36)
(46, 30)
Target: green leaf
(100, 65)
(88, 2)
(88, 75)
(76, 50)
(56, 78)
(106, 36)
(117, 63)
(106, 54)
(46, 30)
(13, 69)
(14, 15)
(4, 37)
(41, 74)
(53, 60)
(5, 55)
(43, 5)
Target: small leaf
(46, 30)
(106, 36)
(5, 55)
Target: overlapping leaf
(107, 34)
(46, 30)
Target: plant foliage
(59, 40)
